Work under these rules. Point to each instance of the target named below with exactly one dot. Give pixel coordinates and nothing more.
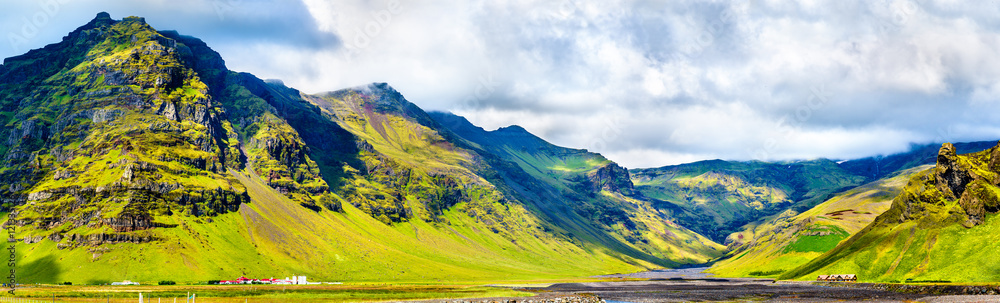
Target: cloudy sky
(646, 83)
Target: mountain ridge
(127, 148)
(220, 173)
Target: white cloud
(647, 83)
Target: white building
(298, 280)
(126, 282)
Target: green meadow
(352, 292)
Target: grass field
(258, 293)
(908, 251)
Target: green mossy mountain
(717, 198)
(739, 196)
(600, 203)
(790, 239)
(109, 128)
(131, 153)
(781, 242)
(941, 227)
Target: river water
(692, 284)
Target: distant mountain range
(131, 153)
(717, 198)
(781, 242)
(778, 245)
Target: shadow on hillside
(44, 270)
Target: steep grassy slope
(601, 204)
(716, 198)
(790, 239)
(274, 236)
(942, 226)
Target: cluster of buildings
(295, 280)
(837, 278)
(126, 282)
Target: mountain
(740, 197)
(790, 239)
(132, 153)
(599, 200)
(777, 243)
(717, 198)
(941, 227)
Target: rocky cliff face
(951, 175)
(121, 120)
(960, 188)
(611, 177)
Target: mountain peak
(383, 96)
(376, 88)
(102, 16)
(512, 129)
(102, 19)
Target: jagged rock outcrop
(611, 177)
(968, 182)
(951, 175)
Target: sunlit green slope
(274, 236)
(790, 239)
(716, 198)
(943, 226)
(600, 202)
